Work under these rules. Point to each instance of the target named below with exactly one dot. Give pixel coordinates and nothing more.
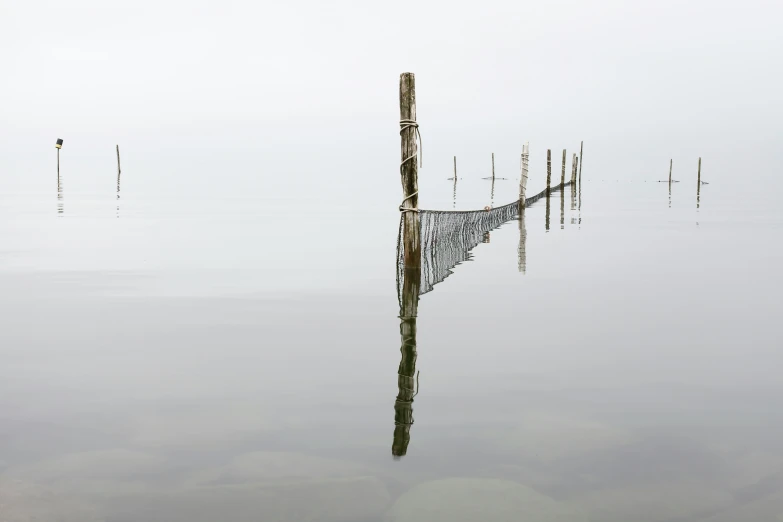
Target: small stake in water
(58, 145)
(573, 168)
(562, 170)
(548, 170)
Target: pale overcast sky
(194, 84)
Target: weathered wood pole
(523, 177)
(548, 170)
(455, 170)
(698, 179)
(118, 162)
(562, 170)
(58, 163)
(573, 168)
(411, 271)
(493, 166)
(581, 147)
(580, 176)
(671, 162)
(409, 170)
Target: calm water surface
(196, 358)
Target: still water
(614, 357)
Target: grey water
(184, 355)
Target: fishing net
(448, 237)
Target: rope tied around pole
(408, 209)
(405, 125)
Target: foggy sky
(266, 92)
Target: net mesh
(448, 237)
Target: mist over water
(222, 333)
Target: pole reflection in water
(118, 191)
(60, 205)
(547, 210)
(521, 253)
(406, 373)
(562, 206)
(670, 192)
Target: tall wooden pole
(581, 147)
(523, 175)
(118, 162)
(671, 162)
(493, 166)
(548, 170)
(409, 293)
(698, 180)
(409, 170)
(455, 170)
(562, 170)
(58, 164)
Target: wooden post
(409, 170)
(455, 170)
(118, 162)
(493, 166)
(562, 170)
(581, 146)
(548, 170)
(671, 161)
(698, 180)
(523, 176)
(409, 296)
(580, 176)
(58, 163)
(573, 168)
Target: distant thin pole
(455, 170)
(671, 162)
(698, 180)
(548, 170)
(493, 166)
(58, 163)
(118, 162)
(562, 170)
(581, 147)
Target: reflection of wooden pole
(521, 249)
(548, 170)
(409, 169)
(562, 170)
(547, 210)
(562, 207)
(406, 386)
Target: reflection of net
(447, 238)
